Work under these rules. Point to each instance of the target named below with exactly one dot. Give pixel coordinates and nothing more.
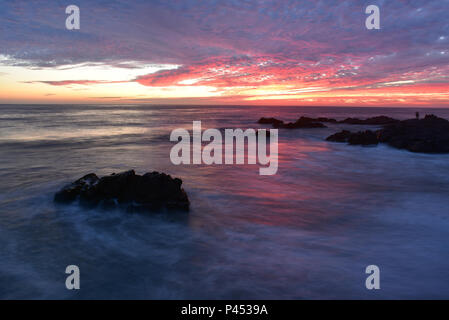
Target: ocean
(307, 232)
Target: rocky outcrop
(380, 120)
(428, 135)
(365, 138)
(151, 191)
(301, 123)
(272, 121)
(307, 122)
(323, 119)
(320, 119)
(342, 136)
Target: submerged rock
(152, 191)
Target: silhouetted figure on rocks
(417, 116)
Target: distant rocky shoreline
(306, 122)
(427, 135)
(149, 192)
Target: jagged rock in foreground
(365, 138)
(149, 192)
(428, 135)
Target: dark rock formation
(301, 123)
(314, 120)
(272, 121)
(323, 119)
(363, 138)
(152, 191)
(380, 120)
(342, 136)
(428, 135)
(307, 122)
(72, 191)
(358, 138)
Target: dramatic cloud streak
(243, 51)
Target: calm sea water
(307, 232)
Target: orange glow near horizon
(249, 85)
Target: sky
(235, 52)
